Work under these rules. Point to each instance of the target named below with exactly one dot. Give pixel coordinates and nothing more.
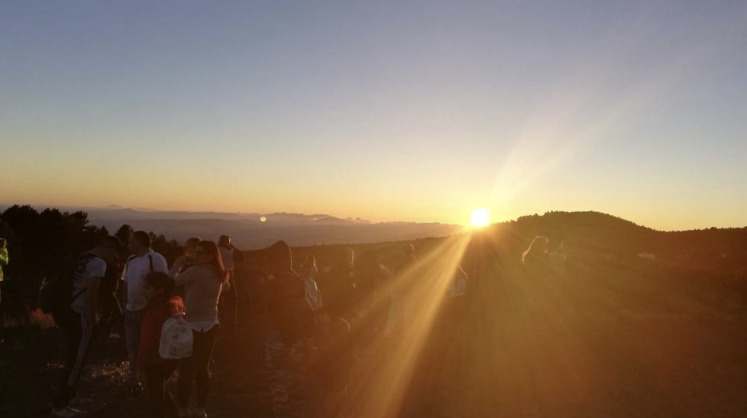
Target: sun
(480, 217)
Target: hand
(182, 260)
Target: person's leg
(79, 335)
(132, 334)
(113, 314)
(156, 384)
(72, 332)
(169, 403)
(161, 401)
(186, 372)
(202, 365)
(105, 314)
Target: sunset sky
(409, 111)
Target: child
(158, 290)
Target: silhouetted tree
(123, 233)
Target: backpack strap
(150, 261)
(128, 260)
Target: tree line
(39, 242)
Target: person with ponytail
(202, 287)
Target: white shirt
(227, 256)
(95, 267)
(134, 274)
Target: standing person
(158, 290)
(542, 284)
(308, 273)
(369, 276)
(78, 322)
(557, 259)
(202, 287)
(142, 262)
(330, 367)
(338, 287)
(3, 262)
(230, 297)
(109, 306)
(537, 268)
(285, 302)
(186, 260)
(454, 306)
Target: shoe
(67, 412)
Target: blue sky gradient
(382, 110)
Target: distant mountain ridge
(256, 230)
(120, 213)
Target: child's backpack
(56, 291)
(176, 338)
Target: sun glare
(480, 217)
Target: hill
(654, 325)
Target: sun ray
(425, 283)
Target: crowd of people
(192, 290)
(173, 314)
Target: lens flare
(480, 217)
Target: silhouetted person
(202, 288)
(542, 284)
(162, 304)
(186, 260)
(557, 259)
(455, 305)
(330, 367)
(286, 303)
(79, 323)
(399, 306)
(370, 276)
(564, 283)
(230, 297)
(109, 306)
(3, 262)
(142, 262)
(338, 287)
